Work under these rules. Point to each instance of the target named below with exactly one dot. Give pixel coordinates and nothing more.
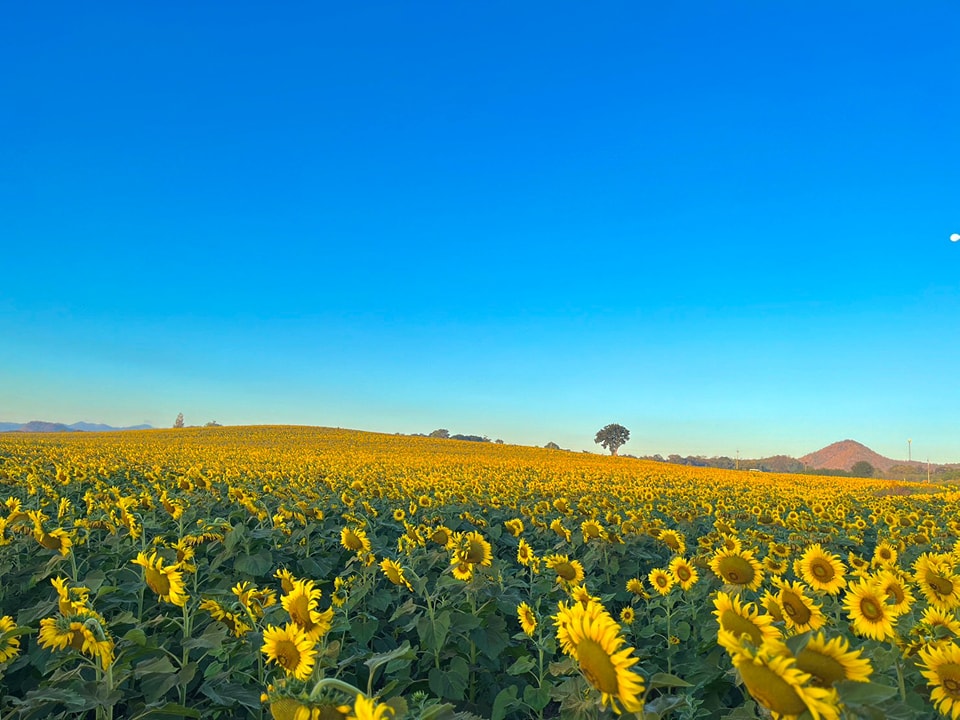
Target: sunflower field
(311, 574)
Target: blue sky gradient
(724, 226)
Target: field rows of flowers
(308, 573)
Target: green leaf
(157, 665)
(403, 652)
(451, 681)
(864, 693)
(523, 664)
(136, 636)
(536, 698)
(233, 537)
(682, 631)
(662, 680)
(258, 564)
(505, 699)
(168, 710)
(433, 635)
(492, 637)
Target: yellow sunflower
(800, 613)
(526, 556)
(58, 539)
(884, 555)
(472, 548)
(569, 572)
(394, 573)
(830, 661)
(286, 578)
(290, 648)
(368, 709)
(165, 580)
(9, 643)
(441, 535)
(635, 586)
(897, 590)
(737, 567)
(934, 575)
(684, 573)
(739, 620)
(462, 571)
(84, 633)
(628, 615)
(301, 604)
(774, 681)
(591, 637)
(822, 570)
(591, 530)
(673, 540)
(528, 620)
(868, 611)
(934, 617)
(514, 526)
(940, 665)
(661, 580)
(355, 539)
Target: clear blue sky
(723, 225)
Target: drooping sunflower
(286, 578)
(528, 619)
(394, 573)
(560, 529)
(934, 575)
(369, 709)
(868, 611)
(441, 535)
(9, 643)
(291, 648)
(740, 619)
(591, 637)
(635, 586)
(355, 540)
(473, 548)
(569, 572)
(673, 540)
(661, 580)
(774, 681)
(800, 613)
(822, 570)
(235, 622)
(57, 539)
(934, 617)
(301, 604)
(591, 530)
(84, 633)
(940, 665)
(737, 567)
(771, 603)
(254, 600)
(72, 600)
(514, 526)
(897, 590)
(165, 580)
(830, 661)
(683, 572)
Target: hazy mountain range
(40, 426)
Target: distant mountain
(100, 427)
(40, 426)
(844, 455)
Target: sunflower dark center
(796, 609)
(822, 571)
(871, 609)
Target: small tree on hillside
(441, 433)
(552, 446)
(178, 423)
(612, 437)
(862, 469)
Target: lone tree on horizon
(612, 436)
(178, 423)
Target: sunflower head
(737, 568)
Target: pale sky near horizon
(724, 226)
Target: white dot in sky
(955, 237)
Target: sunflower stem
(900, 683)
